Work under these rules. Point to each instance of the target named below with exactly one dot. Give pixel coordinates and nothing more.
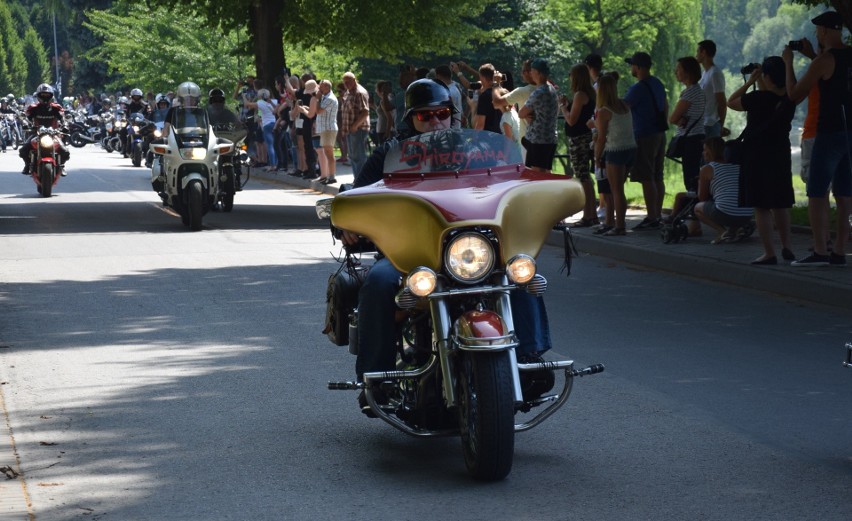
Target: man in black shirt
(487, 117)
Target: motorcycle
(44, 159)
(185, 171)
(461, 217)
(10, 130)
(158, 117)
(118, 125)
(85, 129)
(140, 133)
(227, 126)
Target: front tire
(46, 176)
(195, 208)
(486, 414)
(76, 140)
(137, 156)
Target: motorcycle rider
(5, 109)
(429, 107)
(137, 104)
(223, 119)
(44, 112)
(186, 97)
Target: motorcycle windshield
(159, 116)
(455, 151)
(190, 121)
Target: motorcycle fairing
(425, 209)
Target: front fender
(191, 177)
(482, 331)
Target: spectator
(649, 108)
(594, 63)
(385, 115)
(487, 117)
(766, 181)
(688, 116)
(356, 120)
(712, 82)
(323, 107)
(831, 164)
(540, 111)
(615, 146)
(510, 123)
(519, 95)
(445, 75)
(578, 111)
(266, 109)
(719, 194)
(406, 76)
(341, 136)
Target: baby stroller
(674, 228)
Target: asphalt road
(151, 373)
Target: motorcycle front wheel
(486, 414)
(137, 156)
(45, 175)
(195, 208)
(76, 140)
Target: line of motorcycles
(197, 168)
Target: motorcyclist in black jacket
(44, 113)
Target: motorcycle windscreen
(454, 150)
(226, 124)
(190, 121)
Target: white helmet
(189, 93)
(44, 93)
(136, 92)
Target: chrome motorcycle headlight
(197, 153)
(469, 258)
(421, 281)
(136, 128)
(158, 133)
(520, 269)
(45, 141)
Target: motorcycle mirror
(323, 208)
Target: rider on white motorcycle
(429, 108)
(186, 96)
(44, 113)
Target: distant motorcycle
(85, 129)
(185, 172)
(140, 133)
(45, 162)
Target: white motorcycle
(185, 172)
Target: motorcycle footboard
(556, 400)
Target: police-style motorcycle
(185, 171)
(462, 219)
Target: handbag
(678, 143)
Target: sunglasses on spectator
(427, 115)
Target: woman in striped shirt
(688, 116)
(719, 192)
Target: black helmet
(427, 93)
(216, 96)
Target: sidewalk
(695, 257)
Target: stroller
(675, 228)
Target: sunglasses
(427, 115)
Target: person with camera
(766, 177)
(831, 163)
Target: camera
(475, 85)
(750, 68)
(796, 45)
(286, 71)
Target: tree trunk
(268, 37)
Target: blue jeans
(357, 143)
(377, 321)
(283, 150)
(269, 139)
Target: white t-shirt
(267, 112)
(519, 97)
(711, 82)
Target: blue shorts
(621, 157)
(830, 165)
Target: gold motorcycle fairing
(409, 217)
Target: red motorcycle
(45, 165)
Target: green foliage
(14, 70)
(164, 50)
(38, 66)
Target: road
(152, 373)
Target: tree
(164, 51)
(14, 62)
(38, 66)
(385, 30)
(844, 7)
